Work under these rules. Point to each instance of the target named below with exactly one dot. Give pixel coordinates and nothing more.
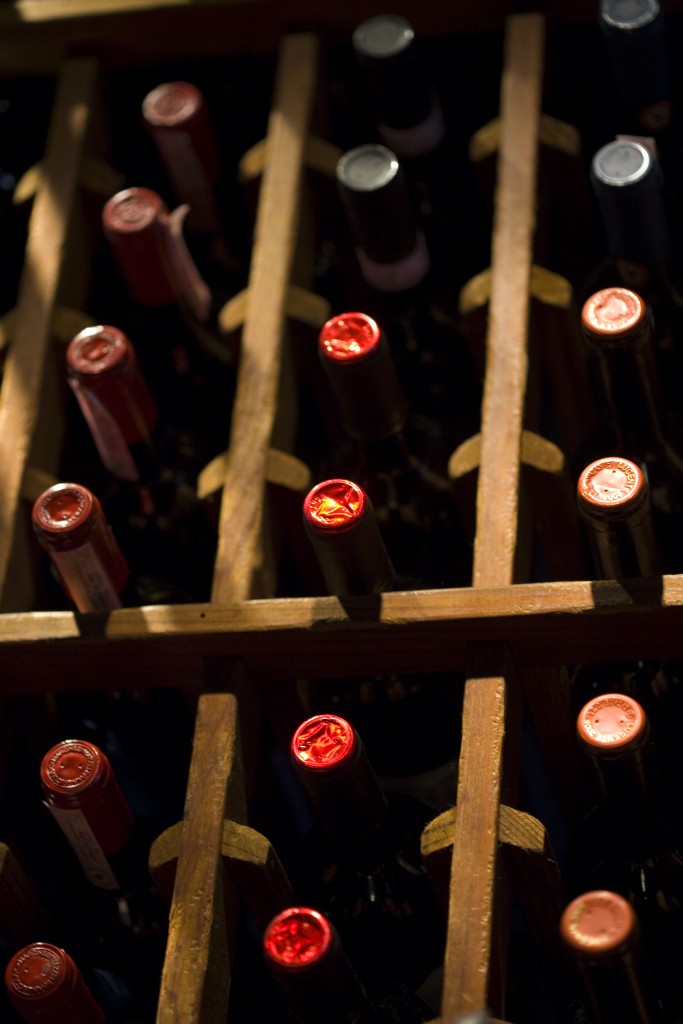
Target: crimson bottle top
(340, 522)
(70, 525)
(46, 987)
(134, 223)
(82, 793)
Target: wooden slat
(473, 875)
(23, 375)
(506, 363)
(239, 544)
(195, 982)
(424, 631)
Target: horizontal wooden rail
(422, 631)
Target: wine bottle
(168, 318)
(613, 498)
(363, 866)
(410, 724)
(304, 955)
(601, 933)
(155, 508)
(125, 917)
(177, 116)
(405, 292)
(635, 41)
(628, 843)
(628, 185)
(70, 526)
(46, 987)
(399, 458)
(618, 328)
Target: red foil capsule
(349, 337)
(177, 118)
(135, 225)
(82, 793)
(45, 985)
(611, 488)
(598, 924)
(331, 763)
(360, 369)
(297, 938)
(323, 741)
(105, 376)
(340, 523)
(70, 525)
(612, 722)
(335, 505)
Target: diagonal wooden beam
(473, 873)
(25, 366)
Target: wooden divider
(475, 845)
(240, 546)
(28, 358)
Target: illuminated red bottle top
(44, 984)
(323, 742)
(349, 337)
(297, 938)
(612, 486)
(135, 225)
(77, 776)
(597, 923)
(613, 314)
(612, 722)
(335, 505)
(102, 361)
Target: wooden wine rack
(510, 637)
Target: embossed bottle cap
(612, 486)
(323, 742)
(76, 774)
(297, 938)
(628, 15)
(349, 337)
(612, 721)
(171, 104)
(74, 766)
(43, 983)
(101, 361)
(597, 923)
(66, 508)
(335, 506)
(613, 314)
(622, 162)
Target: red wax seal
(611, 483)
(135, 223)
(323, 741)
(612, 721)
(43, 983)
(101, 361)
(613, 313)
(77, 775)
(349, 337)
(297, 938)
(597, 923)
(335, 505)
